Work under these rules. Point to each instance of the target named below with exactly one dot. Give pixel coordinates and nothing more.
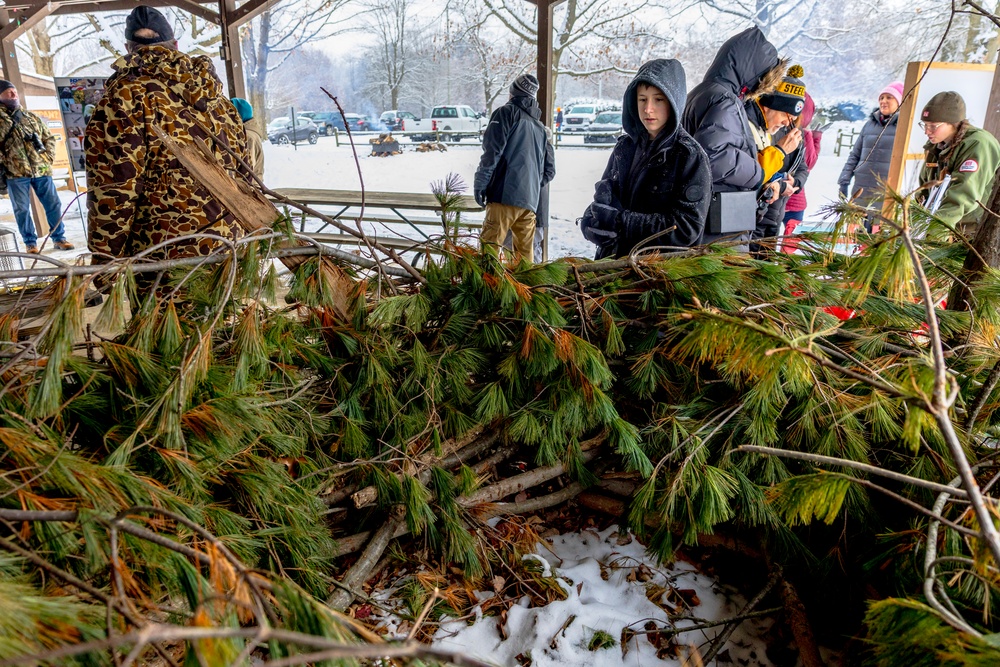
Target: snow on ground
(606, 576)
(324, 165)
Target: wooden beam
(232, 54)
(545, 73)
(21, 22)
(546, 101)
(904, 124)
(248, 10)
(90, 6)
(8, 53)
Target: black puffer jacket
(651, 186)
(869, 159)
(517, 157)
(715, 116)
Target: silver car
(606, 128)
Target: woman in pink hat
(868, 163)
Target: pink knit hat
(895, 89)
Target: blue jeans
(19, 190)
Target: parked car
(449, 122)
(393, 120)
(367, 123)
(282, 131)
(325, 121)
(606, 121)
(579, 118)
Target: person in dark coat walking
(868, 163)
(746, 66)
(658, 182)
(517, 161)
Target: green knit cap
(946, 107)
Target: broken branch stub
(252, 210)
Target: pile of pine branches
(191, 482)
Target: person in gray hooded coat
(657, 185)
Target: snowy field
(324, 165)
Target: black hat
(790, 95)
(5, 84)
(147, 17)
(525, 85)
(946, 107)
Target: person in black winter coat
(517, 161)
(747, 65)
(657, 182)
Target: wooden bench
(418, 216)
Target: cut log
(252, 210)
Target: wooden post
(897, 164)
(546, 101)
(232, 54)
(13, 24)
(992, 121)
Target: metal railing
(558, 136)
(845, 140)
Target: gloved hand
(606, 216)
(604, 193)
(599, 224)
(480, 197)
(845, 191)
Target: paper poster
(53, 119)
(77, 97)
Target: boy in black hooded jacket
(658, 182)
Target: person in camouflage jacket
(27, 149)
(138, 194)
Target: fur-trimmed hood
(747, 64)
(770, 81)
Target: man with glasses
(968, 154)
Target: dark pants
(19, 190)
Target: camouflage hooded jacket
(138, 194)
(19, 156)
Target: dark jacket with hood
(870, 157)
(651, 185)
(745, 67)
(517, 156)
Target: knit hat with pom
(790, 95)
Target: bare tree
(580, 25)
(272, 37)
(395, 31)
(489, 59)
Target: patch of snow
(593, 568)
